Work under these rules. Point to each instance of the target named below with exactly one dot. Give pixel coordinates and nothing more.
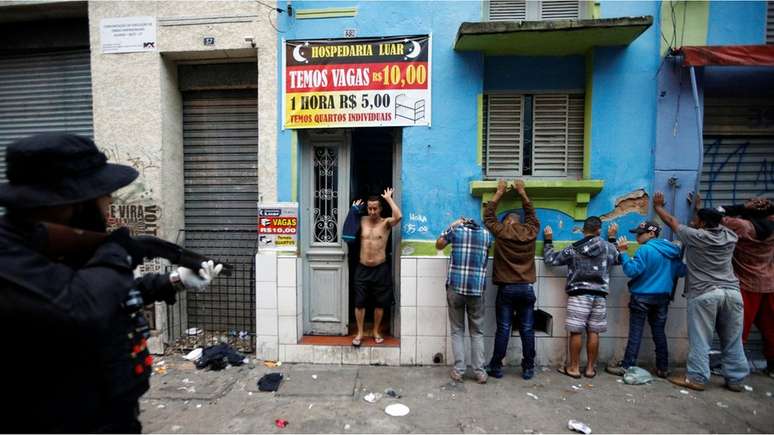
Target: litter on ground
(372, 397)
(194, 354)
(280, 423)
(578, 426)
(532, 396)
(748, 388)
(397, 410)
(721, 405)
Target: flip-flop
(586, 375)
(563, 370)
(356, 342)
(379, 340)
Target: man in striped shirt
(465, 291)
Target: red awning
(728, 55)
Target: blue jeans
(510, 298)
(653, 308)
(721, 310)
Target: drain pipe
(699, 128)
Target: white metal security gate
(44, 93)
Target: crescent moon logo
(297, 54)
(415, 49)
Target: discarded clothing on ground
(270, 382)
(217, 357)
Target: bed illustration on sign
(409, 109)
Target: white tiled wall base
(424, 319)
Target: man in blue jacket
(653, 270)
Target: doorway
(373, 154)
(339, 166)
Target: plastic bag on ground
(637, 376)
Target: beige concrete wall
(138, 108)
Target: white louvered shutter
(549, 153)
(770, 23)
(507, 10)
(503, 135)
(560, 9)
(558, 136)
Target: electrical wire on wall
(275, 10)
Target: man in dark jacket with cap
(75, 356)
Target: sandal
(563, 370)
(356, 342)
(592, 375)
(379, 340)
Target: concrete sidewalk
(329, 399)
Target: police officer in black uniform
(74, 355)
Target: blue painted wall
(534, 73)
(440, 161)
(624, 112)
(736, 23)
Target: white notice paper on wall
(128, 34)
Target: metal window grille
(555, 142)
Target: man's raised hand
(501, 185)
(612, 230)
(357, 203)
(548, 233)
(388, 193)
(658, 199)
(623, 244)
(518, 184)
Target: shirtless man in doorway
(373, 277)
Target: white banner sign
(363, 82)
(277, 226)
(128, 34)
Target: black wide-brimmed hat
(59, 169)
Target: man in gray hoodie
(714, 300)
(588, 262)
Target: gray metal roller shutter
(221, 160)
(44, 93)
(738, 151)
(738, 165)
(220, 147)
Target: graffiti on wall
(750, 174)
(417, 224)
(138, 190)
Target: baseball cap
(646, 227)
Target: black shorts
(374, 283)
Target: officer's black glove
(136, 251)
